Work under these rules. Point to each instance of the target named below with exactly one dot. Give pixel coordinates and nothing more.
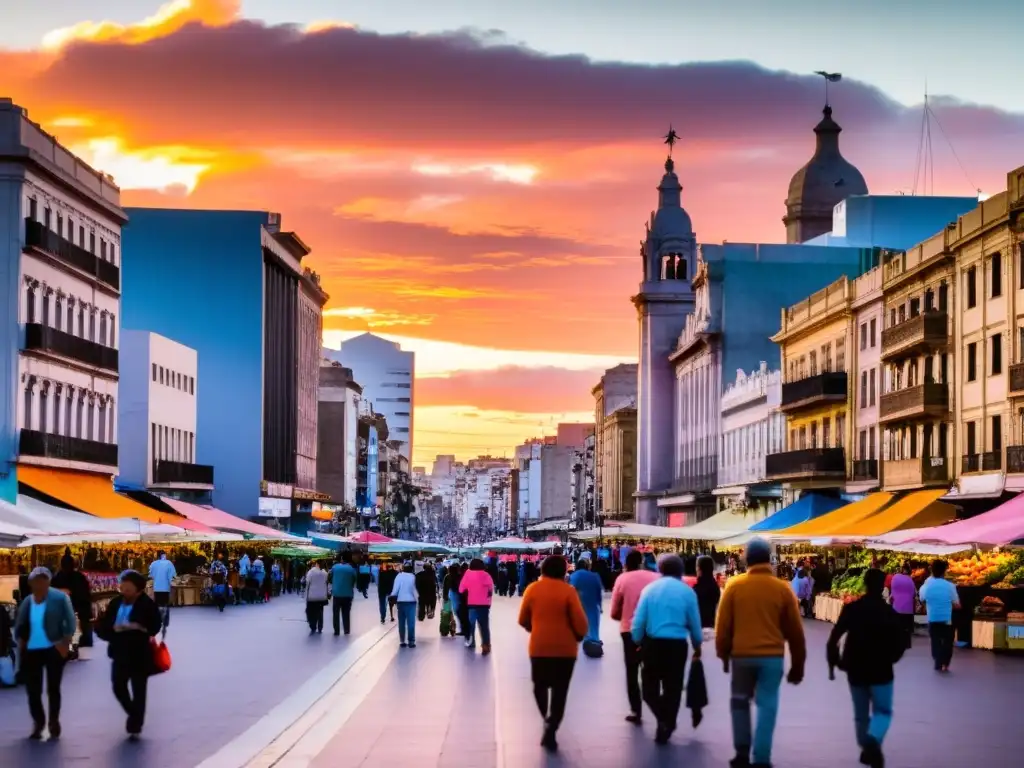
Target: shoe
(635, 719)
(403, 645)
(872, 756)
(470, 643)
(412, 645)
(662, 734)
(548, 741)
(37, 732)
(740, 761)
(382, 621)
(54, 729)
(485, 649)
(337, 633)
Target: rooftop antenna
(925, 170)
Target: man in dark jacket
(426, 586)
(75, 585)
(385, 581)
(875, 641)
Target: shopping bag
(161, 657)
(7, 676)
(696, 692)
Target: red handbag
(161, 654)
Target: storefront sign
(277, 490)
(272, 507)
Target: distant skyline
(482, 194)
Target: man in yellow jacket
(757, 617)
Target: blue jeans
(382, 598)
(480, 614)
(757, 678)
(407, 622)
(453, 595)
(593, 622)
(872, 712)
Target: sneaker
(37, 732)
(740, 761)
(635, 719)
(469, 643)
(485, 649)
(54, 729)
(872, 755)
(548, 741)
(412, 645)
(403, 645)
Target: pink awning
(220, 520)
(1003, 525)
(368, 537)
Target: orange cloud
(167, 20)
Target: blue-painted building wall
(895, 222)
(197, 277)
(751, 283)
(11, 228)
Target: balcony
(46, 339)
(922, 401)
(1016, 379)
(1015, 459)
(65, 448)
(924, 332)
(40, 237)
(915, 473)
(179, 473)
(807, 464)
(865, 469)
(828, 387)
(992, 461)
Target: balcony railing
(44, 445)
(990, 461)
(822, 388)
(178, 472)
(1014, 459)
(1017, 379)
(865, 469)
(37, 235)
(927, 331)
(45, 338)
(915, 402)
(915, 473)
(809, 464)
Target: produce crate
(827, 608)
(988, 635)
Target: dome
(826, 180)
(671, 220)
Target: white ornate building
(62, 222)
(752, 427)
(665, 298)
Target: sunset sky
(474, 177)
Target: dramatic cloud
(527, 390)
(458, 188)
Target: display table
(827, 608)
(988, 635)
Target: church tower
(826, 180)
(669, 255)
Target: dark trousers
(907, 621)
(344, 606)
(315, 614)
(163, 602)
(382, 598)
(551, 678)
(428, 604)
(631, 655)
(129, 681)
(663, 674)
(942, 643)
(33, 665)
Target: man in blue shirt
(343, 587)
(666, 617)
(590, 589)
(162, 572)
(940, 599)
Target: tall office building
(232, 286)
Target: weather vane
(830, 77)
(671, 138)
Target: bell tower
(666, 297)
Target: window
(28, 406)
(103, 328)
(46, 218)
(33, 209)
(892, 317)
(997, 434)
(58, 313)
(89, 419)
(996, 273)
(45, 319)
(972, 361)
(1020, 266)
(81, 321)
(113, 330)
(863, 335)
(873, 329)
(840, 429)
(871, 388)
(929, 300)
(863, 389)
(110, 431)
(871, 443)
(154, 371)
(915, 307)
(81, 236)
(71, 316)
(971, 447)
(161, 374)
(103, 421)
(997, 354)
(69, 406)
(826, 358)
(863, 444)
(1020, 345)
(60, 224)
(152, 444)
(814, 434)
(840, 355)
(92, 243)
(71, 230)
(972, 287)
(30, 304)
(103, 249)
(191, 385)
(826, 428)
(92, 326)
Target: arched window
(78, 416)
(58, 314)
(44, 402)
(30, 304)
(90, 418)
(103, 328)
(28, 405)
(71, 315)
(110, 432)
(103, 421)
(45, 319)
(81, 320)
(92, 325)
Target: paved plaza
(252, 688)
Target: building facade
(62, 280)
(309, 337)
(340, 402)
(387, 375)
(752, 427)
(617, 460)
(244, 321)
(864, 387)
(159, 391)
(616, 390)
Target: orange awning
(845, 516)
(91, 493)
(322, 514)
(921, 509)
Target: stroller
(447, 622)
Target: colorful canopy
(368, 537)
(518, 545)
(838, 519)
(915, 510)
(719, 526)
(807, 507)
(225, 521)
(1003, 525)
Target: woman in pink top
(477, 589)
(625, 596)
(902, 592)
